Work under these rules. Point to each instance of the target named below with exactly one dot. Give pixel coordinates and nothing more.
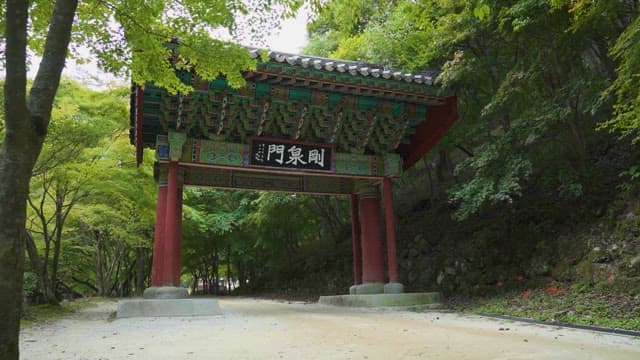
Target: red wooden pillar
(355, 235)
(177, 245)
(391, 230)
(172, 230)
(157, 275)
(372, 257)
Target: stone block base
(165, 292)
(376, 288)
(429, 300)
(368, 288)
(393, 288)
(168, 307)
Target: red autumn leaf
(552, 290)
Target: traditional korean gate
(301, 124)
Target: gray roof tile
(354, 68)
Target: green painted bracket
(176, 142)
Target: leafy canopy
(533, 79)
(130, 37)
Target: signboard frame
(255, 142)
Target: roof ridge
(354, 68)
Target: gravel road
(263, 329)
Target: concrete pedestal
(428, 300)
(165, 292)
(393, 288)
(168, 307)
(368, 288)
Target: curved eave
(438, 120)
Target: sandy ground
(262, 329)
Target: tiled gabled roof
(355, 68)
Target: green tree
(81, 119)
(111, 228)
(215, 229)
(126, 37)
(529, 76)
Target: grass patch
(575, 304)
(41, 314)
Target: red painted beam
(439, 119)
(355, 235)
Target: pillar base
(368, 288)
(165, 292)
(393, 288)
(406, 300)
(167, 307)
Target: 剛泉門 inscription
(291, 155)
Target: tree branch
(47, 80)
(465, 150)
(15, 87)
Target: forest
(534, 190)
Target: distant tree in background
(127, 37)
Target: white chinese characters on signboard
(291, 155)
(277, 151)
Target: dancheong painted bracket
(296, 116)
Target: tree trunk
(36, 266)
(216, 274)
(99, 265)
(140, 275)
(25, 130)
(57, 245)
(229, 269)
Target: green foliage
(30, 285)
(625, 87)
(575, 304)
(86, 174)
(39, 314)
(532, 77)
(131, 37)
(267, 241)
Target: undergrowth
(40, 314)
(574, 304)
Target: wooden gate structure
(301, 124)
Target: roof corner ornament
(223, 114)
(296, 136)
(180, 109)
(263, 118)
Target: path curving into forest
(263, 329)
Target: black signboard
(290, 154)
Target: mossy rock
(563, 272)
(622, 284)
(585, 271)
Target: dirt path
(262, 329)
